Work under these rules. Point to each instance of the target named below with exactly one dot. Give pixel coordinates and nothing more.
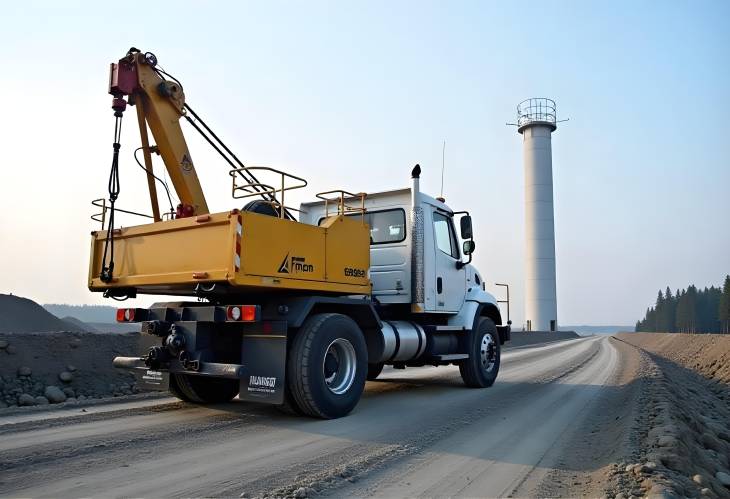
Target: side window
(386, 226)
(443, 232)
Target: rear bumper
(206, 368)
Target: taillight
(125, 314)
(242, 313)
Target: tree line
(690, 310)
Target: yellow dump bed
(242, 249)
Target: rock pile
(52, 368)
(27, 389)
(685, 438)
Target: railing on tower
(536, 110)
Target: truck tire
(203, 390)
(481, 368)
(374, 371)
(327, 366)
(289, 406)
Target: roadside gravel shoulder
(681, 430)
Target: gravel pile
(63, 367)
(683, 430)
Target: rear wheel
(327, 366)
(203, 390)
(374, 370)
(481, 368)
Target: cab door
(450, 280)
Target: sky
(353, 94)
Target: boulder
(710, 441)
(55, 395)
(71, 368)
(66, 377)
(41, 400)
(3, 344)
(723, 478)
(69, 392)
(667, 441)
(24, 371)
(11, 350)
(26, 399)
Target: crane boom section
(163, 104)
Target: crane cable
(216, 143)
(107, 271)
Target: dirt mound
(683, 428)
(41, 368)
(81, 325)
(707, 354)
(20, 315)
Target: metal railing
(101, 216)
(537, 109)
(252, 189)
(342, 207)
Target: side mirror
(466, 232)
(468, 247)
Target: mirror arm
(461, 264)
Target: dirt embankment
(706, 354)
(42, 368)
(682, 425)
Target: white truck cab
(416, 258)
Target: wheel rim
(488, 352)
(339, 366)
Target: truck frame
(293, 311)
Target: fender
(476, 303)
(295, 309)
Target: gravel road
(416, 432)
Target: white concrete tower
(536, 121)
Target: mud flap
(504, 334)
(264, 357)
(151, 380)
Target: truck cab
(420, 262)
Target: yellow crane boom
(160, 105)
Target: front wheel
(327, 366)
(481, 368)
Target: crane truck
(296, 307)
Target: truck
(291, 306)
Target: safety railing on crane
(275, 196)
(101, 216)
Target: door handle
(439, 285)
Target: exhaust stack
(418, 294)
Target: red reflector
(248, 313)
(242, 313)
(125, 314)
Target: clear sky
(353, 94)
